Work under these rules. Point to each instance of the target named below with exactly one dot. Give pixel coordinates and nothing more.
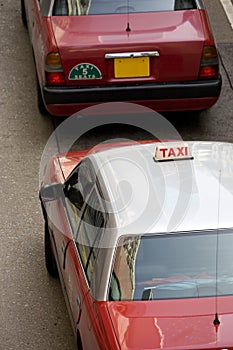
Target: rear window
(101, 7)
(177, 266)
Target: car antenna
(128, 29)
(216, 321)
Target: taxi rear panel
(177, 36)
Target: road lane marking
(228, 8)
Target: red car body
(165, 59)
(177, 324)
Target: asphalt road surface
(33, 311)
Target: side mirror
(51, 192)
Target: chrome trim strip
(51, 7)
(200, 4)
(132, 54)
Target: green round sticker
(85, 71)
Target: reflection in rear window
(185, 265)
(100, 7)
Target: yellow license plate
(131, 67)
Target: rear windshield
(100, 7)
(177, 266)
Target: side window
(77, 189)
(60, 8)
(90, 232)
(185, 5)
(70, 7)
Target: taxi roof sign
(172, 151)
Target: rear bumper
(155, 95)
(95, 94)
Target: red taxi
(160, 54)
(141, 237)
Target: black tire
(79, 341)
(50, 261)
(23, 14)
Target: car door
(33, 11)
(80, 266)
(60, 230)
(40, 32)
(64, 214)
(39, 36)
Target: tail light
(209, 68)
(53, 69)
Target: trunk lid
(173, 324)
(84, 42)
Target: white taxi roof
(144, 195)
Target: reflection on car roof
(149, 196)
